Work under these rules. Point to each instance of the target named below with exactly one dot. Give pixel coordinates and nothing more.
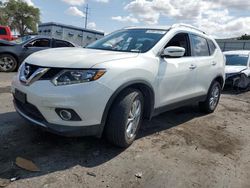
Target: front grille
(30, 110)
(51, 73)
(32, 69)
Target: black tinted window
(60, 43)
(212, 46)
(3, 31)
(40, 43)
(200, 46)
(181, 40)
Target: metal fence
(230, 44)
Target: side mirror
(173, 51)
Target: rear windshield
(237, 60)
(129, 40)
(3, 31)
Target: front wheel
(125, 118)
(212, 100)
(7, 63)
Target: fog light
(65, 115)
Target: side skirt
(173, 106)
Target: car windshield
(237, 60)
(129, 40)
(21, 40)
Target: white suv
(111, 85)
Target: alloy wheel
(214, 98)
(6, 63)
(133, 118)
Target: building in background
(77, 35)
(233, 44)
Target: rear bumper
(93, 130)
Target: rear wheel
(125, 118)
(213, 97)
(7, 63)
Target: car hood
(234, 69)
(75, 57)
(6, 43)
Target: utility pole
(86, 15)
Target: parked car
(5, 33)
(110, 86)
(238, 69)
(13, 53)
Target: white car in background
(238, 68)
(110, 86)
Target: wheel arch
(149, 99)
(14, 55)
(220, 79)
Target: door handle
(192, 67)
(214, 63)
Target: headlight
(74, 76)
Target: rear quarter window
(212, 46)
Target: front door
(177, 76)
(35, 46)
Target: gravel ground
(181, 148)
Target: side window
(42, 43)
(181, 40)
(200, 46)
(60, 43)
(212, 46)
(3, 31)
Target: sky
(219, 18)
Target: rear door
(203, 49)
(177, 76)
(61, 44)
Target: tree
(20, 16)
(3, 17)
(244, 37)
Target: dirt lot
(181, 148)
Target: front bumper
(88, 100)
(93, 130)
(238, 80)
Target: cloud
(221, 25)
(74, 11)
(102, 1)
(219, 18)
(125, 19)
(74, 2)
(232, 4)
(92, 25)
(29, 2)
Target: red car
(5, 33)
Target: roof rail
(187, 25)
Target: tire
(118, 130)
(212, 100)
(8, 63)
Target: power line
(86, 15)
